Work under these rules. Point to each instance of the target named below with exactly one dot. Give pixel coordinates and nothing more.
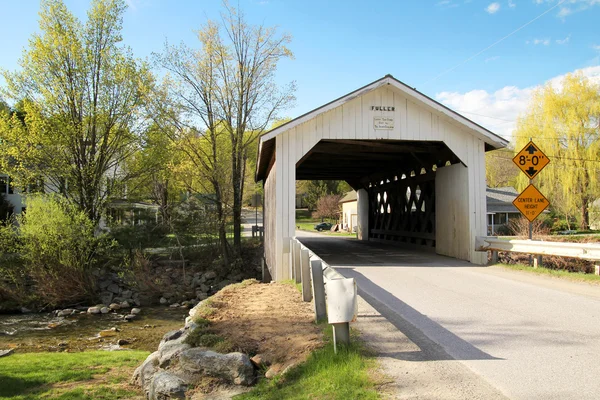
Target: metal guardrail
(335, 297)
(583, 251)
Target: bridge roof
(267, 142)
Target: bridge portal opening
(398, 177)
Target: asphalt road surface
(529, 337)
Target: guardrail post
(537, 261)
(305, 275)
(297, 265)
(494, 257)
(318, 284)
(597, 269)
(341, 334)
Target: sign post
(531, 160)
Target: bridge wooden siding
(460, 188)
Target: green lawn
(305, 222)
(88, 375)
(325, 375)
(573, 276)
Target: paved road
(530, 337)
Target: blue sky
(342, 45)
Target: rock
(63, 344)
(104, 310)
(165, 386)
(126, 294)
(93, 310)
(233, 367)
(106, 297)
(201, 296)
(65, 313)
(114, 288)
(175, 305)
(170, 351)
(208, 275)
(115, 306)
(104, 283)
(6, 353)
(273, 371)
(53, 325)
(204, 288)
(224, 283)
(169, 336)
(25, 310)
(136, 311)
(130, 317)
(259, 361)
(163, 300)
(122, 342)
(107, 333)
(125, 304)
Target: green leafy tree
(564, 122)
(81, 95)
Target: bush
(58, 248)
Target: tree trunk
(585, 216)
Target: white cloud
(536, 41)
(564, 41)
(570, 6)
(511, 4)
(596, 47)
(492, 8)
(498, 111)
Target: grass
(305, 222)
(557, 273)
(325, 375)
(203, 336)
(86, 375)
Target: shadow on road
(399, 314)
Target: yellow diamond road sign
(531, 203)
(531, 160)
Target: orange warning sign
(531, 203)
(531, 160)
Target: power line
(495, 43)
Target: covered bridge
(418, 168)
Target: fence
(584, 251)
(334, 295)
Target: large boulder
(233, 367)
(170, 351)
(167, 386)
(144, 373)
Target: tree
(564, 122)
(82, 97)
(500, 170)
(227, 90)
(328, 207)
(314, 190)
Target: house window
(6, 186)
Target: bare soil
(267, 319)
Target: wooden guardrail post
(305, 275)
(597, 269)
(318, 284)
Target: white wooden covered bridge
(418, 168)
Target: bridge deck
(531, 337)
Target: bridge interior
(397, 175)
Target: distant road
(530, 337)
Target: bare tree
(227, 90)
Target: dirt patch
(267, 319)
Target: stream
(80, 332)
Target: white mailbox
(341, 300)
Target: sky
(481, 58)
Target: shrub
(58, 248)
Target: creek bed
(27, 333)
